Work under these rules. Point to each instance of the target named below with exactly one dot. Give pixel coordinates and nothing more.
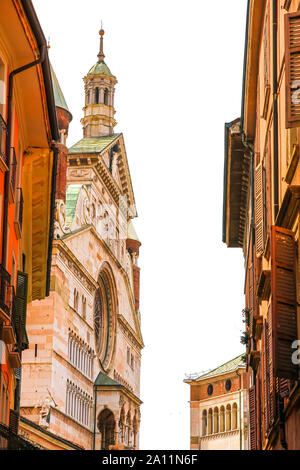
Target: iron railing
(13, 170)
(4, 290)
(11, 441)
(19, 207)
(3, 132)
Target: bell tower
(99, 84)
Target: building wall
(226, 436)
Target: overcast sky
(179, 68)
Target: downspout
(8, 144)
(95, 411)
(275, 109)
(52, 212)
(240, 408)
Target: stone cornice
(130, 332)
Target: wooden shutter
(269, 370)
(292, 66)
(21, 308)
(265, 378)
(284, 311)
(13, 421)
(259, 210)
(252, 417)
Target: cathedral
(81, 372)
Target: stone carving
(44, 420)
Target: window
(78, 404)
(97, 95)
(84, 307)
(106, 96)
(210, 390)
(228, 385)
(80, 355)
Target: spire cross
(101, 53)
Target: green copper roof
(92, 144)
(58, 94)
(223, 369)
(71, 201)
(105, 381)
(100, 68)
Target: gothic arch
(105, 317)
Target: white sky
(179, 69)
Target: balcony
(12, 441)
(3, 157)
(19, 213)
(12, 175)
(4, 294)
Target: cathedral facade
(81, 373)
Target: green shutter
(21, 308)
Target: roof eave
(41, 41)
(255, 15)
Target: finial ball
(101, 32)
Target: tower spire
(101, 53)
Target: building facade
(81, 373)
(219, 408)
(28, 154)
(261, 216)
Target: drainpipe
(8, 143)
(275, 109)
(95, 411)
(240, 408)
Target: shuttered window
(259, 210)
(284, 311)
(252, 414)
(21, 308)
(292, 64)
(265, 379)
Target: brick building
(261, 216)
(219, 408)
(81, 373)
(28, 156)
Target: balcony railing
(9, 440)
(13, 173)
(5, 297)
(3, 157)
(19, 213)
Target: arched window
(222, 419)
(209, 421)
(216, 420)
(228, 417)
(83, 307)
(234, 416)
(106, 96)
(75, 299)
(204, 423)
(97, 95)
(106, 425)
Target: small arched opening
(222, 419)
(234, 416)
(209, 421)
(216, 420)
(228, 417)
(106, 426)
(204, 423)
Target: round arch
(105, 315)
